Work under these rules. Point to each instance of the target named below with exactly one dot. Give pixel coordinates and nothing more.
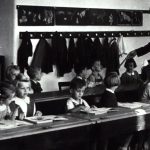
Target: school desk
(67, 134)
(80, 129)
(54, 102)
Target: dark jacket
(24, 51)
(108, 99)
(36, 87)
(43, 56)
(143, 50)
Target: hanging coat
(60, 55)
(71, 54)
(98, 50)
(81, 51)
(105, 53)
(43, 56)
(113, 57)
(89, 52)
(24, 51)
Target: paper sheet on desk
(9, 124)
(133, 105)
(45, 119)
(96, 111)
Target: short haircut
(77, 83)
(32, 71)
(6, 89)
(131, 60)
(9, 69)
(22, 81)
(78, 68)
(112, 79)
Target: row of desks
(78, 128)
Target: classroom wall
(50, 81)
(6, 29)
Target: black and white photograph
(75, 75)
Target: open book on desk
(96, 111)
(133, 105)
(44, 119)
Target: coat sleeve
(143, 50)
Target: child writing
(76, 103)
(12, 72)
(35, 76)
(98, 74)
(26, 106)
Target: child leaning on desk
(76, 103)
(25, 107)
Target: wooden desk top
(18, 129)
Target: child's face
(23, 89)
(130, 67)
(84, 74)
(13, 74)
(78, 93)
(97, 66)
(38, 75)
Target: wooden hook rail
(37, 35)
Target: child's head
(81, 70)
(97, 66)
(130, 64)
(77, 87)
(22, 88)
(7, 92)
(12, 72)
(112, 80)
(34, 73)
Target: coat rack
(37, 35)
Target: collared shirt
(23, 103)
(131, 74)
(110, 90)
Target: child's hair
(77, 83)
(112, 79)
(21, 81)
(6, 89)
(32, 71)
(78, 68)
(131, 60)
(9, 69)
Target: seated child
(98, 74)
(12, 72)
(8, 94)
(35, 76)
(108, 98)
(3, 108)
(146, 92)
(145, 71)
(130, 77)
(81, 71)
(76, 103)
(25, 106)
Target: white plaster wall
(50, 81)
(6, 29)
